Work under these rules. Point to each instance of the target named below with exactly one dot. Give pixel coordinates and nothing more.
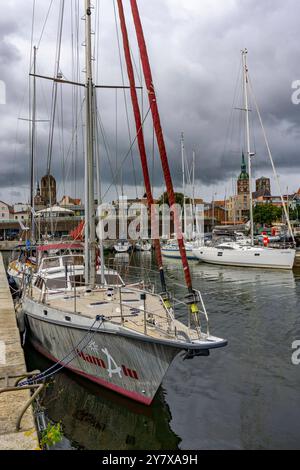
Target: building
(238, 207)
(48, 190)
(22, 216)
(68, 201)
(6, 211)
(263, 185)
(215, 213)
(38, 200)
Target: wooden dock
(297, 260)
(12, 362)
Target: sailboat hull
(125, 365)
(248, 257)
(172, 251)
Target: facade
(238, 207)
(6, 211)
(22, 216)
(48, 190)
(68, 201)
(263, 185)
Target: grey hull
(125, 365)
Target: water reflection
(97, 419)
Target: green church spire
(244, 175)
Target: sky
(195, 53)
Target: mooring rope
(74, 352)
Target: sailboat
(237, 254)
(143, 245)
(170, 248)
(122, 246)
(119, 335)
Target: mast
(98, 191)
(33, 141)
(194, 224)
(140, 136)
(183, 183)
(160, 137)
(246, 102)
(90, 237)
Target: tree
(266, 214)
(164, 199)
(294, 214)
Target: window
(73, 260)
(56, 283)
(50, 263)
(77, 281)
(111, 279)
(39, 282)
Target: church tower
(48, 190)
(243, 184)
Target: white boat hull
(130, 364)
(249, 257)
(173, 252)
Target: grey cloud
(195, 56)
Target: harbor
(252, 388)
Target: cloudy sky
(195, 53)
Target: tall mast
(90, 237)
(246, 102)
(160, 138)
(183, 182)
(140, 138)
(33, 141)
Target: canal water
(245, 396)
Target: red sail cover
(159, 136)
(139, 127)
(77, 233)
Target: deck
(125, 308)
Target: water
(245, 396)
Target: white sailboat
(143, 246)
(170, 248)
(121, 336)
(122, 246)
(235, 254)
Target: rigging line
(45, 22)
(74, 134)
(153, 157)
(62, 143)
(30, 87)
(54, 87)
(32, 34)
(125, 98)
(97, 41)
(97, 153)
(131, 146)
(74, 112)
(272, 163)
(137, 71)
(77, 92)
(229, 130)
(161, 145)
(116, 138)
(108, 154)
(60, 364)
